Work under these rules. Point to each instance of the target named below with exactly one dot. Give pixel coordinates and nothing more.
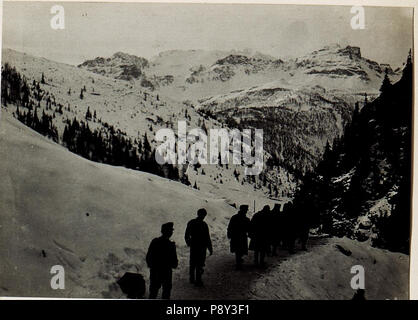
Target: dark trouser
(261, 254)
(289, 242)
(238, 259)
(291, 245)
(160, 278)
(303, 241)
(197, 262)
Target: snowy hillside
(309, 276)
(97, 221)
(298, 123)
(70, 92)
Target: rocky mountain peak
(120, 66)
(234, 59)
(351, 51)
(387, 66)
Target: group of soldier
(268, 230)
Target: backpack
(133, 285)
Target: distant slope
(297, 123)
(194, 74)
(131, 108)
(305, 105)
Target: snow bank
(324, 273)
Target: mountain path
(222, 281)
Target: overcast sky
(98, 29)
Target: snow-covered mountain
(190, 71)
(240, 88)
(69, 92)
(308, 104)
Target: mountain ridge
(333, 61)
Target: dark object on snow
(359, 295)
(133, 285)
(343, 251)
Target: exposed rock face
(226, 68)
(351, 52)
(336, 62)
(120, 66)
(386, 66)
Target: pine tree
(88, 114)
(145, 145)
(386, 83)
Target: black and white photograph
(202, 151)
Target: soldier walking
(161, 259)
(259, 235)
(198, 239)
(276, 227)
(238, 229)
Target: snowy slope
(324, 273)
(127, 106)
(95, 220)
